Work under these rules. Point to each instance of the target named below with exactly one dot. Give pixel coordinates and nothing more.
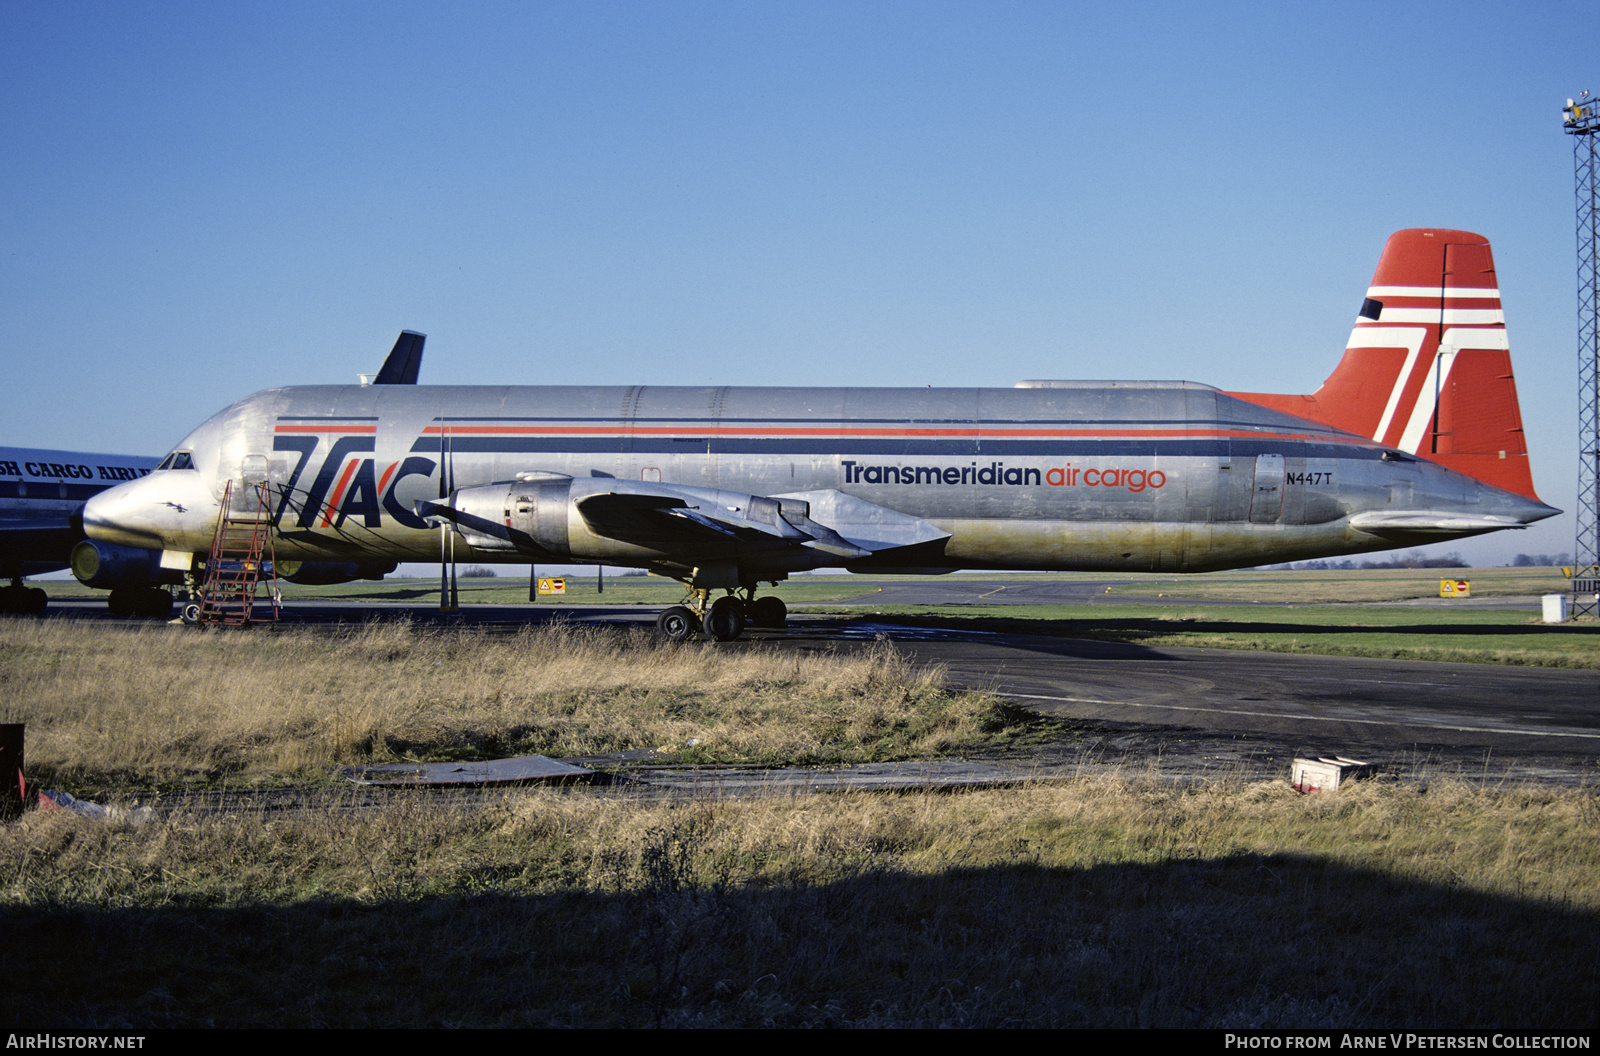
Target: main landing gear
(28, 601)
(140, 601)
(722, 620)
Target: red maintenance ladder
(242, 544)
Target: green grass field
(1349, 613)
(1468, 636)
(1280, 587)
(1289, 612)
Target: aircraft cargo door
(1266, 501)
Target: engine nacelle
(526, 517)
(106, 565)
(325, 573)
(643, 523)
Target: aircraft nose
(164, 511)
(114, 516)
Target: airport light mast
(1580, 119)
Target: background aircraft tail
(1427, 368)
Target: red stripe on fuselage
(338, 493)
(845, 433)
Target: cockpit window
(177, 460)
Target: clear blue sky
(204, 199)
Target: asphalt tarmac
(973, 590)
(1181, 713)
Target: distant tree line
(1410, 560)
(1541, 560)
(1413, 559)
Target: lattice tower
(1581, 120)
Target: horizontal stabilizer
(1430, 521)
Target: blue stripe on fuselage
(1243, 446)
(49, 489)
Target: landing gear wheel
(725, 619)
(768, 612)
(675, 624)
(122, 602)
(35, 600)
(156, 602)
(191, 614)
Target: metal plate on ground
(484, 772)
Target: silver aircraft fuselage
(1091, 476)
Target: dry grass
(111, 707)
(1104, 902)
(1100, 902)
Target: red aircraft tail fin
(1427, 368)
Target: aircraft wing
(670, 522)
(682, 519)
(30, 548)
(693, 524)
(865, 524)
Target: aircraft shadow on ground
(1243, 940)
(385, 594)
(1115, 627)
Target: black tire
(156, 602)
(122, 602)
(191, 614)
(11, 599)
(35, 600)
(677, 623)
(768, 612)
(725, 619)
